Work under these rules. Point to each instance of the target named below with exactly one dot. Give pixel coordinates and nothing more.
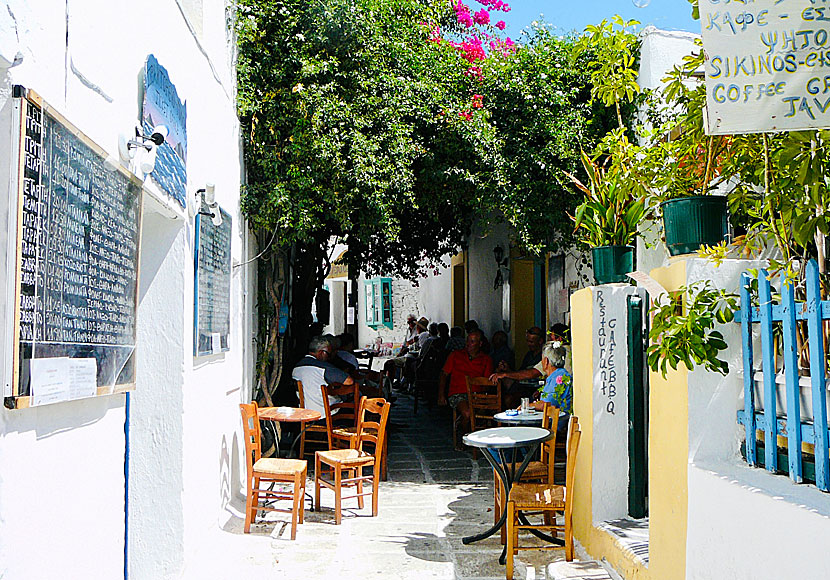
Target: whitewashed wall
(661, 51)
(62, 480)
(434, 295)
(734, 510)
(485, 302)
(610, 396)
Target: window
(378, 293)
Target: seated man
(314, 370)
(529, 371)
(558, 389)
(503, 358)
(394, 366)
(452, 385)
(346, 353)
(456, 341)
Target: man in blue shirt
(314, 370)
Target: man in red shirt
(470, 362)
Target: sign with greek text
(78, 228)
(212, 300)
(767, 65)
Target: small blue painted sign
(162, 107)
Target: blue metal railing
(797, 429)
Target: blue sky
(575, 15)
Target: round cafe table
(531, 418)
(498, 439)
(289, 415)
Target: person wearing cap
(411, 330)
(423, 331)
(400, 364)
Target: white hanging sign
(767, 65)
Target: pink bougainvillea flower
(501, 24)
(482, 17)
(477, 101)
(471, 49)
(462, 14)
(466, 115)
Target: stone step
(588, 570)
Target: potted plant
(683, 166)
(608, 218)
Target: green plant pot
(612, 263)
(692, 222)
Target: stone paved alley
(434, 496)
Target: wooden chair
(352, 461)
(341, 426)
(541, 471)
(544, 497)
(314, 434)
(340, 432)
(270, 471)
(483, 404)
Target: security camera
(148, 160)
(127, 147)
(158, 135)
(210, 193)
(216, 216)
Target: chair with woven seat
(269, 471)
(541, 471)
(314, 435)
(484, 398)
(546, 498)
(342, 426)
(350, 462)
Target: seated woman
(558, 388)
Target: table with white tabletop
(497, 440)
(531, 418)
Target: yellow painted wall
(668, 456)
(522, 311)
(598, 543)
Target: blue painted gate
(795, 425)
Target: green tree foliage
(539, 103)
(384, 124)
(352, 129)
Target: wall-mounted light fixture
(147, 144)
(208, 193)
(502, 271)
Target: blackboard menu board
(77, 263)
(212, 302)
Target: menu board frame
(16, 396)
(206, 341)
